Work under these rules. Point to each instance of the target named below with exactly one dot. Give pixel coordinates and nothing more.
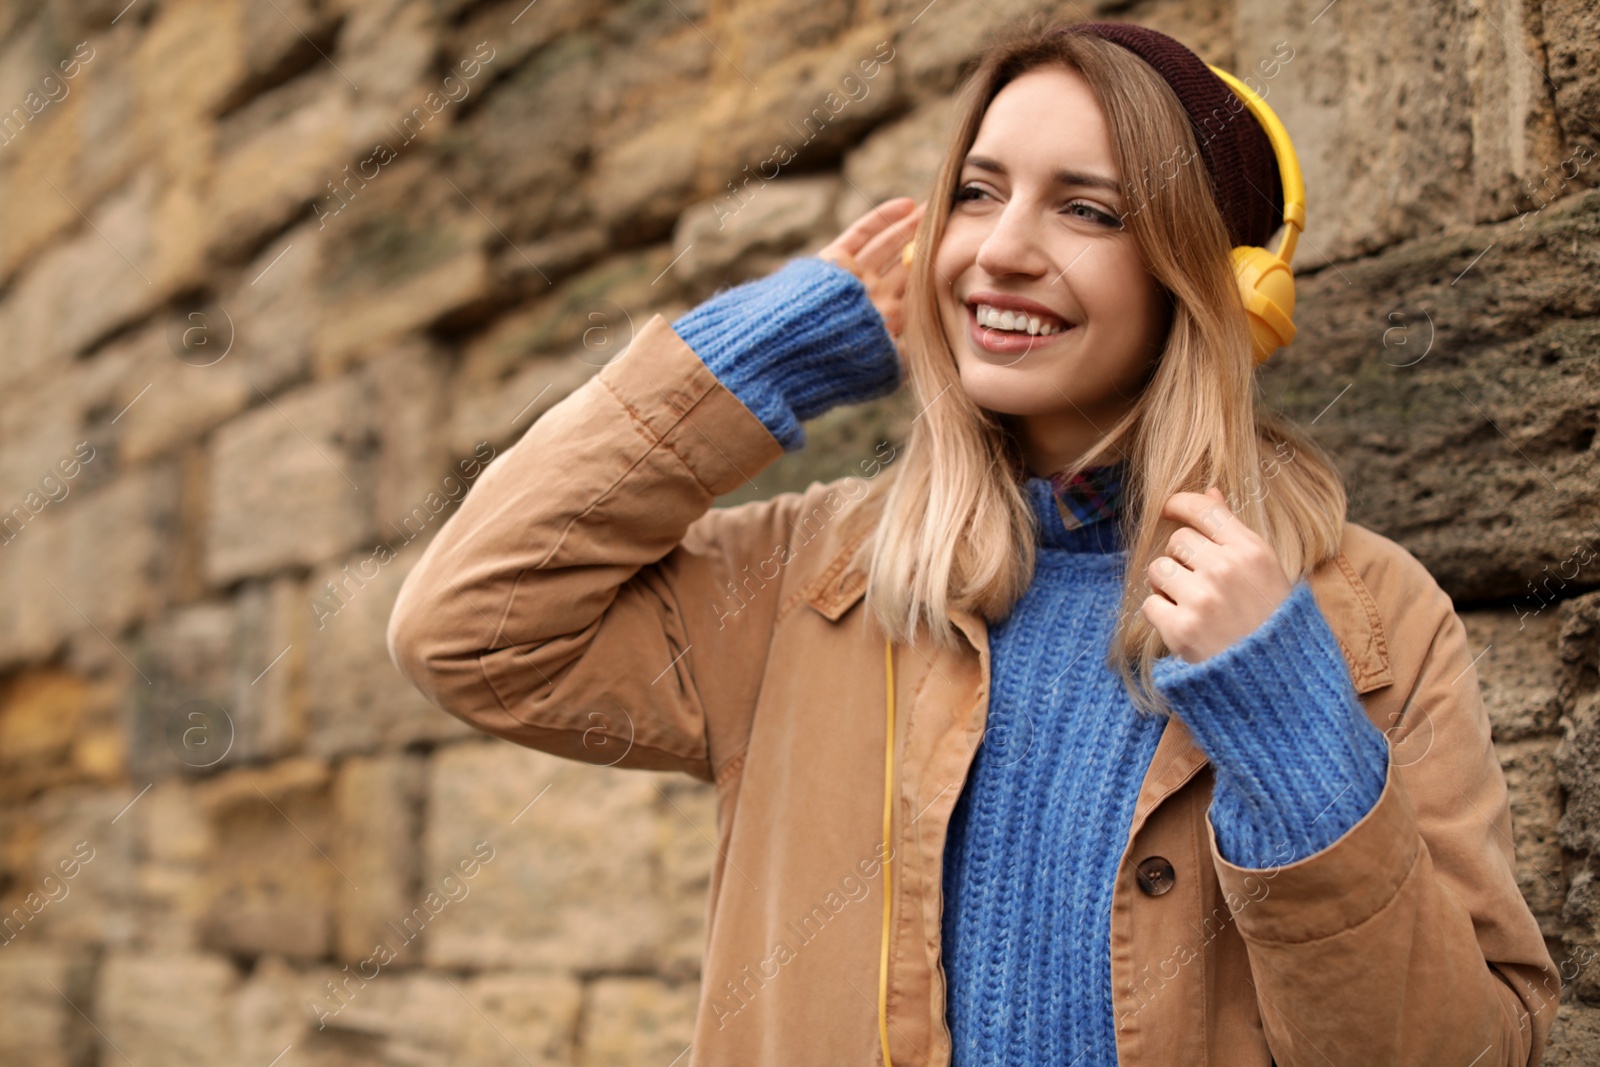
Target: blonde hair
(956, 528)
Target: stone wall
(272, 288)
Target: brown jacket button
(1155, 875)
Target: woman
(1085, 731)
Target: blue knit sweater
(1038, 830)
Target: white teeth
(1016, 321)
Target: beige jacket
(587, 600)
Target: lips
(1007, 347)
(1018, 305)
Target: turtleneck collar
(1073, 511)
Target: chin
(1007, 390)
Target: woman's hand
(870, 249)
(1218, 582)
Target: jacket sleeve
(794, 344)
(586, 599)
(1406, 941)
(569, 604)
(1296, 760)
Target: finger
(868, 226)
(1157, 610)
(1186, 544)
(1207, 515)
(1170, 578)
(845, 260)
(882, 252)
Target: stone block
(34, 617)
(355, 699)
(548, 100)
(1535, 811)
(411, 387)
(183, 719)
(48, 717)
(495, 414)
(272, 1013)
(733, 237)
(376, 800)
(189, 64)
(1466, 432)
(1572, 50)
(506, 1019)
(688, 834)
(279, 43)
(559, 340)
(1579, 753)
(274, 309)
(571, 883)
(291, 481)
(1445, 116)
(76, 883)
(39, 138)
(640, 184)
(271, 882)
(176, 843)
(522, 43)
(221, 687)
(170, 1009)
(637, 1020)
(807, 109)
(389, 50)
(1575, 1038)
(749, 41)
(109, 86)
(49, 453)
(367, 322)
(139, 252)
(899, 158)
(1519, 670)
(111, 581)
(202, 363)
(279, 153)
(936, 44)
(42, 1028)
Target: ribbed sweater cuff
(794, 344)
(1296, 760)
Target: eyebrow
(1060, 177)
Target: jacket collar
(1342, 596)
(1344, 599)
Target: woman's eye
(972, 192)
(1095, 214)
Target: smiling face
(1034, 231)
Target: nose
(1012, 245)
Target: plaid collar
(1090, 495)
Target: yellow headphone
(1266, 284)
(1266, 281)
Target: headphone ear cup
(1266, 285)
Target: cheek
(1123, 297)
(948, 262)
(948, 265)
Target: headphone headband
(1294, 188)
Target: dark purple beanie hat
(1237, 152)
